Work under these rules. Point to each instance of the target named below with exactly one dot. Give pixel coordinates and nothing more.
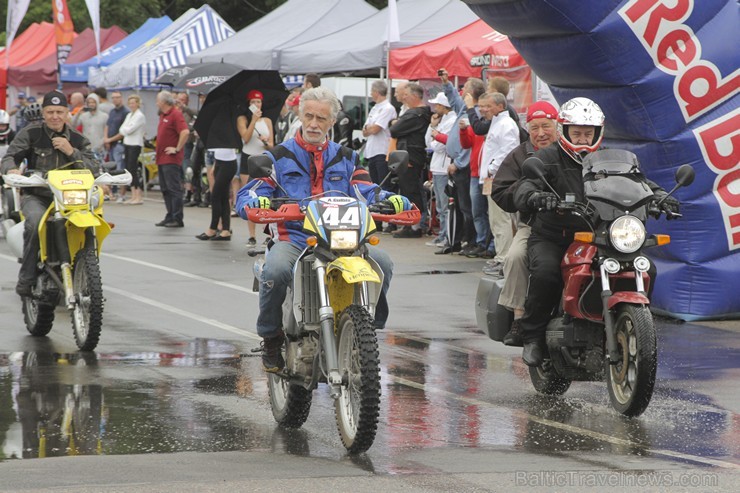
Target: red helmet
(581, 112)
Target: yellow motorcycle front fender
(341, 276)
(353, 270)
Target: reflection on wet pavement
(205, 396)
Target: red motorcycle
(603, 328)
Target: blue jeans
(277, 275)
(116, 155)
(480, 212)
(442, 202)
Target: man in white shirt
(502, 138)
(377, 133)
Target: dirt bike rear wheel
(631, 380)
(87, 315)
(547, 381)
(358, 405)
(290, 402)
(38, 315)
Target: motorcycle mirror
(259, 166)
(685, 175)
(398, 159)
(533, 168)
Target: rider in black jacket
(580, 132)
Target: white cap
(440, 99)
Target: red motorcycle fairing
(582, 284)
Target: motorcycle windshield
(614, 184)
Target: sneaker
(407, 232)
(252, 242)
(272, 355)
(488, 254)
(437, 242)
(120, 200)
(390, 228)
(495, 271)
(474, 251)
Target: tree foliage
(131, 14)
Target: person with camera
(45, 146)
(309, 165)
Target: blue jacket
(460, 156)
(343, 176)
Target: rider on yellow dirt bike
(306, 166)
(47, 145)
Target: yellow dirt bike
(71, 234)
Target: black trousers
(461, 177)
(223, 173)
(545, 285)
(197, 161)
(170, 182)
(409, 184)
(131, 163)
(33, 208)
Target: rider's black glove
(669, 205)
(542, 201)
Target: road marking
(562, 426)
(180, 273)
(183, 313)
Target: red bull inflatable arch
(667, 75)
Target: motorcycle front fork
(612, 351)
(326, 319)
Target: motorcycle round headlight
(343, 240)
(74, 197)
(627, 234)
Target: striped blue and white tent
(192, 32)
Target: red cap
(254, 94)
(541, 109)
(294, 101)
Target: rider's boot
(272, 356)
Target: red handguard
(286, 212)
(405, 218)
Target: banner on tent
(65, 30)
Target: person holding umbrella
(257, 134)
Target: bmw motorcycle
(329, 310)
(71, 235)
(603, 328)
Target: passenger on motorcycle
(45, 146)
(6, 133)
(306, 166)
(580, 132)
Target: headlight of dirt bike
(74, 197)
(627, 234)
(343, 240)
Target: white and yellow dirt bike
(329, 310)
(71, 234)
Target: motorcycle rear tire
(87, 316)
(630, 391)
(358, 405)
(548, 382)
(38, 316)
(290, 402)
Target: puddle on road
(204, 396)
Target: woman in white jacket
(132, 130)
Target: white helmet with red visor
(581, 112)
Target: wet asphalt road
(173, 400)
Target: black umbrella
(173, 74)
(205, 77)
(216, 122)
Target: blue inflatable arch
(667, 75)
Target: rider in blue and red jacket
(308, 165)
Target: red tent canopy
(33, 44)
(464, 53)
(44, 71)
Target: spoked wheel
(631, 380)
(358, 405)
(38, 314)
(290, 402)
(87, 316)
(546, 381)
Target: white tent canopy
(294, 22)
(362, 47)
(192, 32)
